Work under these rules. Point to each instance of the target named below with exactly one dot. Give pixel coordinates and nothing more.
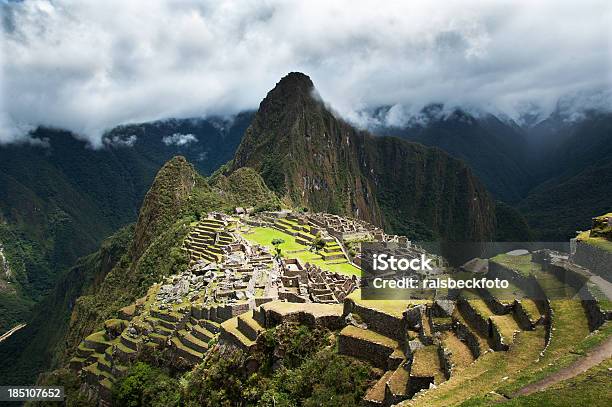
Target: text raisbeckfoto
(436, 283)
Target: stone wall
(495, 304)
(595, 314)
(223, 313)
(477, 320)
(374, 353)
(467, 336)
(550, 317)
(418, 383)
(445, 361)
(414, 316)
(271, 317)
(567, 273)
(599, 261)
(523, 319)
(388, 325)
(498, 342)
(578, 280)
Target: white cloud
(120, 140)
(178, 139)
(90, 65)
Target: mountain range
(457, 177)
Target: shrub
(146, 386)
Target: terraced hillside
(555, 339)
(206, 241)
(466, 347)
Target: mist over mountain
(92, 67)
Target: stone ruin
(312, 284)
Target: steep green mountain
(312, 158)
(58, 201)
(577, 179)
(126, 265)
(42, 341)
(495, 150)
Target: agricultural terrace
(292, 249)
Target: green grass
(591, 388)
(559, 355)
(98, 337)
(264, 237)
(485, 374)
(598, 242)
(522, 363)
(391, 307)
(368, 335)
(427, 363)
(522, 264)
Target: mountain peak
(295, 81)
(293, 86)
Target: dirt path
(593, 358)
(7, 334)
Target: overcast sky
(90, 65)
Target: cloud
(120, 140)
(179, 140)
(88, 66)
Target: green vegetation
(521, 264)
(276, 243)
(119, 273)
(511, 226)
(296, 366)
(602, 227)
(144, 385)
(391, 307)
(591, 388)
(71, 383)
(245, 188)
(42, 342)
(290, 248)
(317, 243)
(599, 242)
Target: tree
(145, 385)
(276, 243)
(317, 243)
